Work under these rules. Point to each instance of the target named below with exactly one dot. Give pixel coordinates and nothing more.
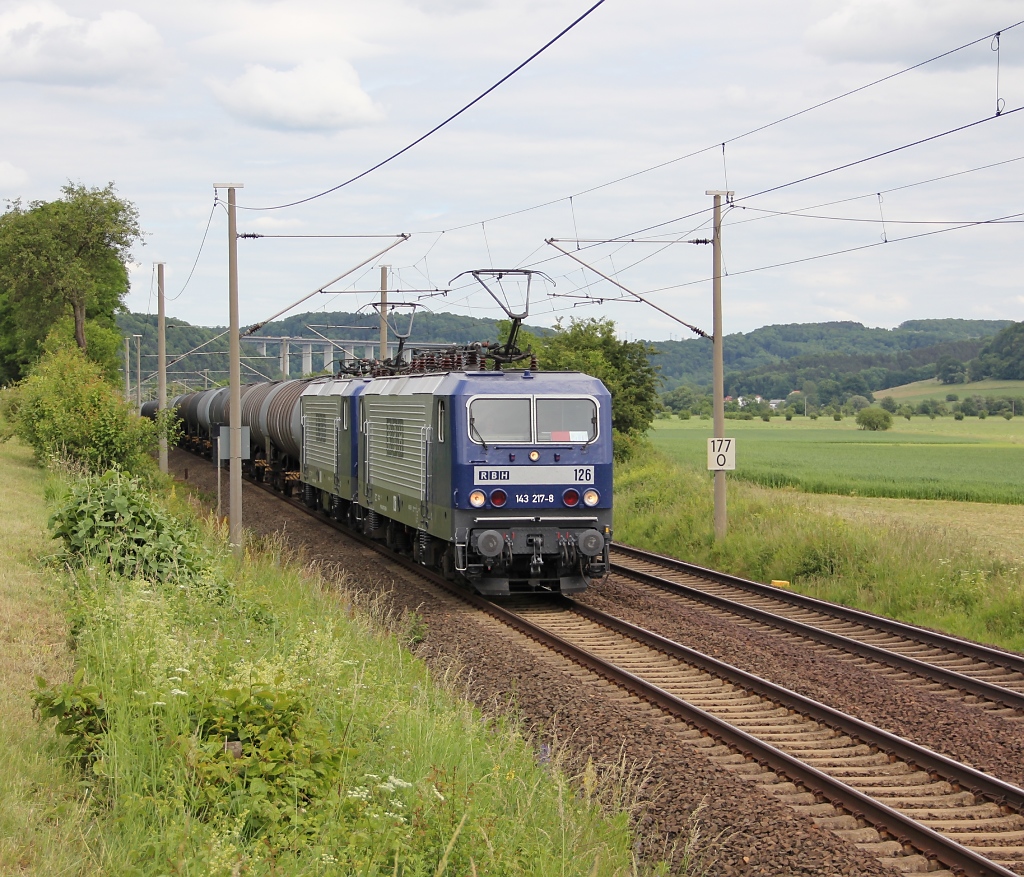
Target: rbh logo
(494, 475)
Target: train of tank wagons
(468, 459)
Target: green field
(935, 389)
(969, 460)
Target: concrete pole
(285, 359)
(161, 359)
(383, 312)
(718, 365)
(138, 373)
(307, 359)
(127, 369)
(234, 382)
(328, 357)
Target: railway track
(912, 808)
(991, 678)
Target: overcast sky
(291, 98)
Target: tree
(874, 419)
(65, 408)
(889, 404)
(1003, 356)
(950, 370)
(63, 258)
(624, 366)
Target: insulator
(534, 365)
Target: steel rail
(906, 830)
(988, 690)
(1007, 660)
(968, 778)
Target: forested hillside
(770, 361)
(780, 353)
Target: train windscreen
(500, 421)
(566, 420)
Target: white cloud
(907, 31)
(11, 177)
(313, 96)
(40, 42)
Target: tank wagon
(502, 478)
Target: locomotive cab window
(500, 421)
(566, 420)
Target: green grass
(353, 759)
(929, 575)
(972, 460)
(42, 828)
(935, 389)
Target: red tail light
(571, 497)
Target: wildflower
(401, 784)
(177, 692)
(174, 679)
(139, 693)
(159, 703)
(440, 797)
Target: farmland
(968, 460)
(935, 389)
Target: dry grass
(38, 814)
(994, 529)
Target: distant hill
(769, 361)
(775, 354)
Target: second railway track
(993, 678)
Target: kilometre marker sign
(721, 454)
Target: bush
(874, 419)
(837, 416)
(65, 408)
(112, 519)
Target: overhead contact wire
(438, 127)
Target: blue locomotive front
(502, 477)
(532, 482)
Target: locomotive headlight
(477, 499)
(534, 456)
(591, 497)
